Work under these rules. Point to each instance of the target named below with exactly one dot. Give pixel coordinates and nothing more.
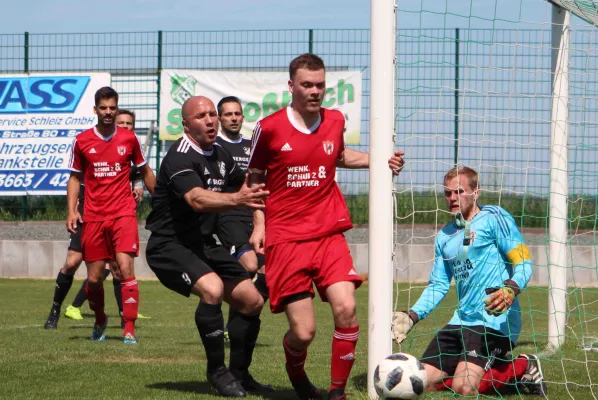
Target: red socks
(344, 342)
(130, 299)
(95, 296)
(502, 374)
(496, 378)
(295, 361)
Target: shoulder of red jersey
(273, 119)
(333, 114)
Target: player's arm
(149, 178)
(354, 159)
(511, 244)
(258, 235)
(203, 200)
(72, 199)
(438, 287)
(136, 183)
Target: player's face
(201, 123)
(308, 88)
(459, 196)
(125, 121)
(231, 118)
(106, 111)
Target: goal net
(474, 86)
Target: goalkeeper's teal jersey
(496, 253)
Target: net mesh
(586, 10)
(473, 87)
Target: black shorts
(234, 234)
(178, 265)
(75, 238)
(475, 344)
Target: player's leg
(74, 310)
(95, 296)
(130, 295)
(488, 350)
(244, 313)
(341, 296)
(441, 357)
(179, 267)
(64, 280)
(291, 290)
(124, 236)
(96, 250)
(112, 268)
(336, 280)
(467, 378)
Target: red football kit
(305, 212)
(110, 223)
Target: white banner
(39, 116)
(261, 94)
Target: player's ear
(291, 86)
(476, 194)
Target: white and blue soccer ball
(400, 376)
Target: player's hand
(138, 194)
(499, 300)
(396, 162)
(258, 239)
(401, 326)
(252, 197)
(72, 220)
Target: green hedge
(411, 208)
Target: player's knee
(256, 303)
(304, 334)
(210, 288)
(249, 261)
(345, 313)
(94, 280)
(464, 387)
(72, 263)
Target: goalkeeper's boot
(141, 316)
(130, 339)
(98, 332)
(337, 394)
(225, 383)
(73, 312)
(532, 380)
(52, 321)
(305, 389)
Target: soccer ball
(400, 376)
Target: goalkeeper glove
(402, 322)
(500, 299)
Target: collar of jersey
(227, 139)
(296, 125)
(196, 147)
(98, 134)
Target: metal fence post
(310, 43)
(24, 205)
(456, 151)
(158, 142)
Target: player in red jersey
(296, 151)
(103, 156)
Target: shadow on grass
(113, 338)
(360, 381)
(206, 388)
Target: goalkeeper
(483, 250)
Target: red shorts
(101, 240)
(293, 267)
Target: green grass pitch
(169, 361)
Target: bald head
(193, 103)
(200, 121)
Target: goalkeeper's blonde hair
(470, 173)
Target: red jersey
(300, 165)
(105, 163)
